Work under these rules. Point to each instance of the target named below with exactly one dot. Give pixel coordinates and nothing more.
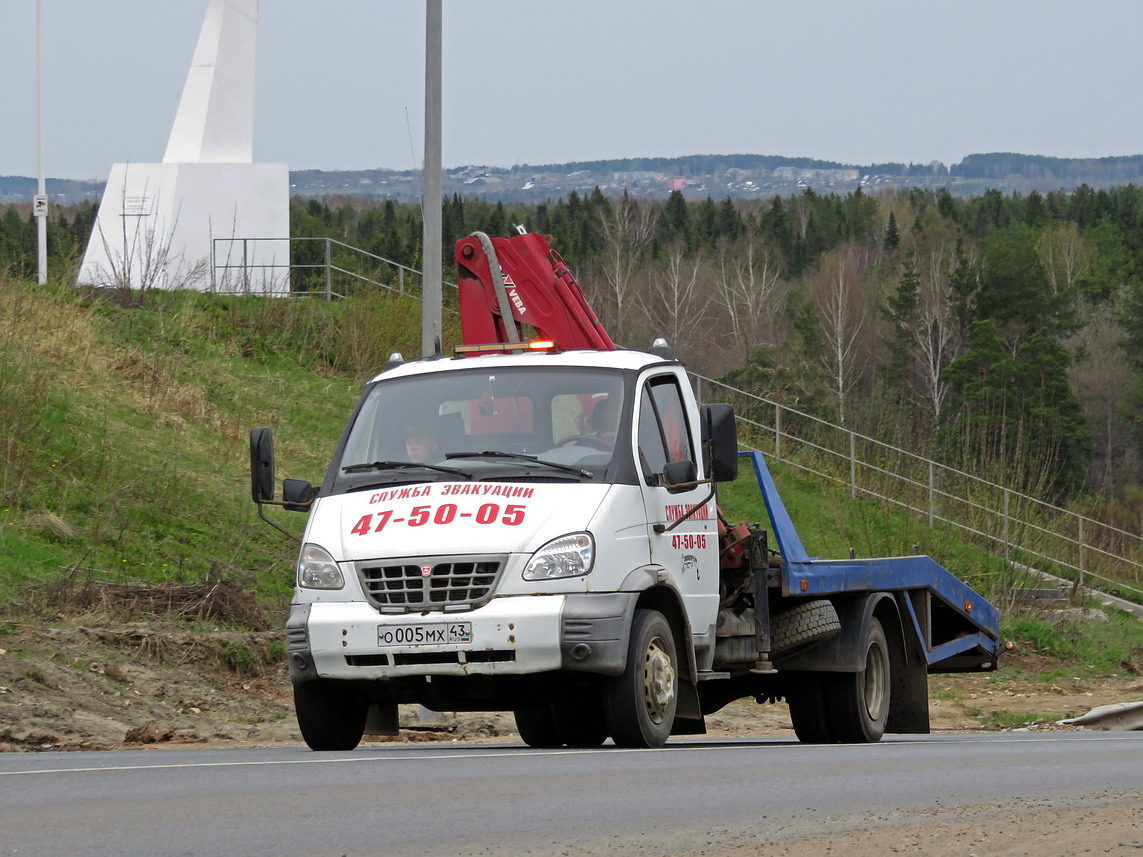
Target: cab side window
(663, 433)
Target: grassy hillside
(124, 427)
(124, 443)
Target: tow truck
(531, 525)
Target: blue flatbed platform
(958, 628)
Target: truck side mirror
(261, 465)
(679, 475)
(720, 439)
(297, 495)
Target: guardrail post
(777, 432)
(1082, 553)
(852, 465)
(328, 272)
(1007, 549)
(932, 496)
(245, 267)
(401, 280)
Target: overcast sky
(340, 82)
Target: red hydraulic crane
(523, 274)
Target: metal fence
(320, 267)
(1012, 524)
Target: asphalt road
(689, 797)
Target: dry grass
(217, 599)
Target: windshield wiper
(402, 465)
(520, 456)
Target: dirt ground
(73, 686)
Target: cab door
(668, 431)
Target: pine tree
(729, 222)
(1012, 402)
(892, 236)
(899, 310)
(676, 219)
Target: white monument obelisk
(207, 217)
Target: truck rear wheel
(859, 702)
(808, 700)
(640, 704)
(330, 715)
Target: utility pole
(40, 203)
(431, 204)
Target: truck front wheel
(580, 723)
(537, 727)
(331, 715)
(860, 700)
(640, 704)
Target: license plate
(440, 634)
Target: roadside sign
(40, 205)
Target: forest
(1001, 333)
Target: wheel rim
(876, 673)
(658, 680)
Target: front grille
(403, 584)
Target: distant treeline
(24, 187)
(996, 166)
(999, 165)
(691, 165)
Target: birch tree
(676, 304)
(747, 288)
(926, 334)
(628, 229)
(1066, 255)
(843, 314)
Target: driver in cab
(420, 445)
(605, 419)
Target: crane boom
(523, 274)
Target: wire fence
(1013, 525)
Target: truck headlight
(567, 556)
(318, 570)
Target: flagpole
(40, 204)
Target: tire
(537, 728)
(807, 699)
(804, 623)
(331, 715)
(640, 704)
(859, 702)
(580, 723)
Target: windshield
(488, 424)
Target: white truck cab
(488, 533)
